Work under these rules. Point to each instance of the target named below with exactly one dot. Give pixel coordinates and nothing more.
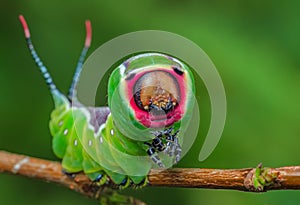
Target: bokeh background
(254, 45)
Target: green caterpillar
(149, 96)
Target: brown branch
(237, 179)
(51, 171)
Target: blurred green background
(254, 45)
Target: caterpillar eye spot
(178, 70)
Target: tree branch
(248, 179)
(51, 171)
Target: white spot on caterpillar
(76, 142)
(17, 166)
(90, 143)
(65, 131)
(60, 123)
(112, 132)
(101, 140)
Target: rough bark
(235, 179)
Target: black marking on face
(178, 70)
(130, 76)
(137, 100)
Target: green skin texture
(110, 152)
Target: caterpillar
(149, 96)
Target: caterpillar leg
(173, 148)
(158, 142)
(177, 153)
(165, 141)
(156, 145)
(144, 182)
(68, 174)
(126, 182)
(134, 181)
(99, 178)
(153, 155)
(170, 138)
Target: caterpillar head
(155, 90)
